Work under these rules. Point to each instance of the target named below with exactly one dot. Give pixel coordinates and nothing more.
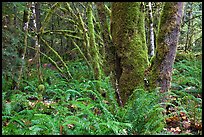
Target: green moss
(41, 88)
(129, 39)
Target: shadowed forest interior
(101, 68)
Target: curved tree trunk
(160, 71)
(128, 35)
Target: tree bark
(189, 31)
(151, 31)
(37, 45)
(15, 17)
(38, 22)
(160, 71)
(22, 53)
(131, 58)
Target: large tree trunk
(128, 35)
(160, 71)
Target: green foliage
(190, 104)
(76, 105)
(191, 29)
(187, 74)
(187, 88)
(145, 113)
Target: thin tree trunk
(52, 28)
(37, 9)
(26, 17)
(15, 17)
(188, 32)
(37, 45)
(108, 56)
(151, 31)
(38, 22)
(93, 48)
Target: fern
(44, 124)
(191, 105)
(144, 113)
(187, 73)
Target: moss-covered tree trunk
(160, 71)
(128, 35)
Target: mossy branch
(81, 53)
(94, 50)
(59, 31)
(49, 58)
(67, 71)
(48, 15)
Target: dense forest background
(98, 68)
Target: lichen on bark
(128, 37)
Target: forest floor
(187, 110)
(76, 108)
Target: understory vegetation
(77, 107)
(97, 68)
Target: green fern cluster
(77, 108)
(189, 104)
(144, 112)
(188, 74)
